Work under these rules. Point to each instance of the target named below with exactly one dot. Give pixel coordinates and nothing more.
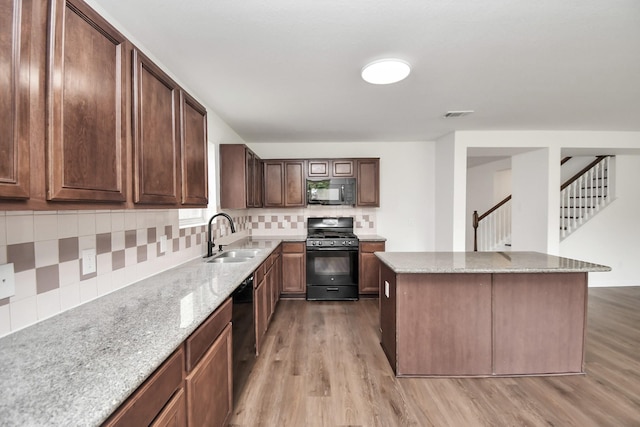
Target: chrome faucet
(210, 242)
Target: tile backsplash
(46, 250)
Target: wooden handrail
(477, 218)
(575, 177)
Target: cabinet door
(368, 182)
(194, 151)
(15, 23)
(174, 414)
(233, 174)
(260, 312)
(152, 398)
(273, 184)
(86, 123)
(257, 182)
(210, 385)
(369, 267)
(293, 268)
(318, 168)
(294, 184)
(156, 139)
(250, 177)
(342, 168)
(388, 313)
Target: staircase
(584, 195)
(581, 197)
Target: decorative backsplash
(289, 222)
(46, 250)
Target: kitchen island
(483, 314)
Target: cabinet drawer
(293, 247)
(371, 246)
(202, 338)
(147, 402)
(258, 275)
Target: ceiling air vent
(456, 114)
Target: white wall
(612, 237)
(529, 203)
(406, 213)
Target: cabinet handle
(333, 289)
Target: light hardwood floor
(322, 365)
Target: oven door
(332, 274)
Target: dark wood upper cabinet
(156, 138)
(294, 183)
(284, 183)
(86, 106)
(318, 168)
(327, 168)
(240, 177)
(273, 183)
(194, 151)
(342, 168)
(368, 182)
(253, 179)
(15, 25)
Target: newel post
(475, 231)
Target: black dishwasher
(243, 335)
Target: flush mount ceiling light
(386, 71)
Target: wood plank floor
(322, 365)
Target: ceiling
(289, 70)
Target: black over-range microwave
(334, 191)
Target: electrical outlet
(7, 281)
(88, 261)
(163, 244)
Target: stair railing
(580, 187)
(497, 226)
(583, 195)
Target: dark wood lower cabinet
(369, 268)
(151, 399)
(294, 268)
(210, 385)
(194, 387)
(266, 294)
(174, 414)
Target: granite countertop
(76, 368)
(484, 262)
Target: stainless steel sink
(235, 255)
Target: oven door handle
(334, 249)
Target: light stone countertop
(370, 238)
(484, 262)
(77, 367)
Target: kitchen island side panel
(388, 312)
(444, 324)
(539, 323)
